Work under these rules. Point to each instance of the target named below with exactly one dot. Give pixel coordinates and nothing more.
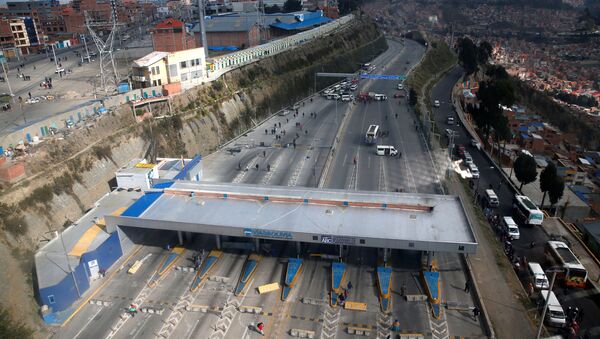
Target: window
(51, 299)
(461, 248)
(153, 82)
(183, 64)
(411, 244)
(361, 241)
(159, 82)
(315, 237)
(184, 77)
(157, 70)
(173, 70)
(193, 62)
(196, 74)
(152, 70)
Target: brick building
(171, 35)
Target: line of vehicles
(557, 254)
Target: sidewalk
(497, 284)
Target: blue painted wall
(64, 294)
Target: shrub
(16, 225)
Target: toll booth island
(253, 214)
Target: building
(241, 30)
(44, 13)
(571, 174)
(24, 34)
(158, 68)
(7, 40)
(171, 35)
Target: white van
(346, 97)
(491, 198)
(380, 97)
(400, 86)
(555, 315)
(511, 228)
(468, 158)
(386, 150)
(474, 170)
(537, 275)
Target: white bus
(574, 273)
(372, 133)
(527, 210)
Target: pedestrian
(266, 132)
(268, 167)
(475, 312)
(349, 286)
(280, 125)
(264, 154)
(403, 289)
(345, 294)
(260, 328)
(467, 286)
(256, 167)
(530, 289)
(168, 247)
(396, 326)
(580, 316)
(532, 244)
(29, 95)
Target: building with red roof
(171, 35)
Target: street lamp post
(553, 270)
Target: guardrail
(231, 61)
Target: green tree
(292, 6)
(496, 72)
(547, 178)
(525, 169)
(467, 55)
(11, 328)
(484, 52)
(556, 190)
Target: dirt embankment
(66, 177)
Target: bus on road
(372, 133)
(574, 273)
(527, 210)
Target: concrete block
(416, 297)
(299, 333)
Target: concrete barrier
(197, 308)
(313, 301)
(218, 279)
(366, 331)
(416, 297)
(295, 332)
(185, 268)
(411, 336)
(152, 310)
(453, 305)
(100, 302)
(250, 309)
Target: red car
(399, 95)
(460, 149)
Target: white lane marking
(87, 324)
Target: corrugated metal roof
(150, 59)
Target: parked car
(436, 103)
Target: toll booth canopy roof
(393, 220)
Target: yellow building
(186, 67)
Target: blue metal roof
(182, 174)
(523, 128)
(301, 24)
(138, 207)
(525, 136)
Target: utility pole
(54, 54)
(553, 270)
(203, 29)
(7, 80)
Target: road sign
(382, 77)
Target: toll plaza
(259, 226)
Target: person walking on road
(260, 328)
(467, 286)
(475, 312)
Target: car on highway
(450, 121)
(399, 95)
(59, 70)
(475, 143)
(387, 150)
(460, 150)
(450, 132)
(436, 103)
(468, 159)
(346, 97)
(353, 87)
(284, 112)
(474, 170)
(34, 100)
(511, 228)
(400, 87)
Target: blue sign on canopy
(382, 77)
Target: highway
(280, 163)
(584, 299)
